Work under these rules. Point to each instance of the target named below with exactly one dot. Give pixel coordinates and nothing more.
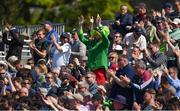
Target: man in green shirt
(97, 46)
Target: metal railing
(29, 29)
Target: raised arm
(80, 32)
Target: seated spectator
(49, 84)
(117, 43)
(27, 83)
(55, 74)
(91, 80)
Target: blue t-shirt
(48, 36)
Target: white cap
(176, 21)
(4, 64)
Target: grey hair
(140, 64)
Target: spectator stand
(29, 30)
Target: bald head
(24, 91)
(123, 9)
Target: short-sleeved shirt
(40, 45)
(61, 58)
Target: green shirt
(97, 51)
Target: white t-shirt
(61, 58)
(140, 42)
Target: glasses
(48, 77)
(40, 34)
(88, 77)
(80, 87)
(111, 57)
(117, 36)
(30, 63)
(2, 73)
(54, 73)
(26, 83)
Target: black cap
(167, 5)
(138, 30)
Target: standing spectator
(50, 32)
(141, 12)
(124, 19)
(135, 38)
(118, 87)
(140, 82)
(39, 48)
(15, 44)
(78, 48)
(151, 35)
(97, 46)
(61, 53)
(49, 35)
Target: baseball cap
(151, 91)
(138, 30)
(167, 5)
(14, 30)
(120, 98)
(47, 22)
(176, 21)
(12, 59)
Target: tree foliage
(25, 12)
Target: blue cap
(47, 22)
(14, 30)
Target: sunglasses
(88, 77)
(48, 77)
(26, 83)
(2, 73)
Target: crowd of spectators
(131, 64)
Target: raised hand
(111, 72)
(91, 19)
(98, 20)
(81, 20)
(176, 52)
(125, 79)
(53, 38)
